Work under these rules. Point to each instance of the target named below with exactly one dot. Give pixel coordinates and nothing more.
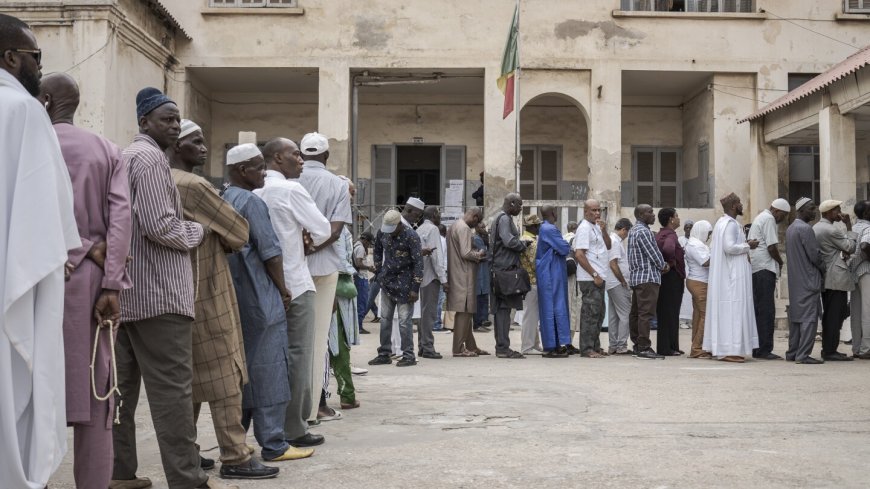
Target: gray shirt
(764, 230)
(506, 247)
(333, 200)
(833, 242)
(433, 265)
(859, 265)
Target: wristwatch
(594, 274)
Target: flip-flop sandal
(336, 415)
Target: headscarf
(700, 232)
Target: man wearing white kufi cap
(219, 369)
(258, 275)
(834, 243)
(766, 266)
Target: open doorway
(418, 172)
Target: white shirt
(444, 252)
(292, 209)
(697, 254)
(764, 230)
(332, 199)
(589, 238)
(617, 252)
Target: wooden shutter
(860, 6)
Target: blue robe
(552, 276)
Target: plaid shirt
(645, 261)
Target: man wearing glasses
(38, 229)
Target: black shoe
(363, 330)
(486, 323)
(481, 329)
(769, 356)
(206, 463)
(571, 349)
(863, 356)
(557, 353)
(511, 354)
(381, 360)
(308, 440)
(810, 361)
(837, 357)
(406, 362)
(649, 354)
(434, 355)
(252, 469)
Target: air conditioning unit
(857, 6)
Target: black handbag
(512, 282)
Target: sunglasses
(35, 53)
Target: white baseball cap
(314, 143)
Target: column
(763, 170)
(499, 143)
(731, 149)
(605, 138)
(837, 156)
(333, 114)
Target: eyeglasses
(35, 53)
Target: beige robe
(461, 268)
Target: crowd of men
(123, 266)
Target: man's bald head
(548, 213)
(513, 204)
(59, 93)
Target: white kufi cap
(415, 202)
(242, 152)
(188, 127)
(781, 204)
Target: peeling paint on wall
(371, 33)
(772, 31)
(572, 29)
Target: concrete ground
(577, 422)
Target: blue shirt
(399, 264)
(645, 261)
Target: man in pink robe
(102, 212)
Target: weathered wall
(564, 126)
(697, 131)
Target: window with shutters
(252, 3)
(540, 172)
(711, 6)
(857, 6)
(658, 176)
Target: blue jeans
(482, 313)
(372, 305)
(406, 327)
(268, 428)
(442, 297)
(362, 297)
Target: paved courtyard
(576, 422)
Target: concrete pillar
(837, 156)
(605, 138)
(763, 170)
(333, 114)
(731, 149)
(499, 143)
(96, 110)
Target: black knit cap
(148, 99)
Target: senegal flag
(509, 62)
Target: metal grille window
(252, 3)
(658, 176)
(692, 5)
(857, 6)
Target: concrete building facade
(624, 100)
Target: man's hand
(97, 254)
(68, 269)
(108, 307)
(426, 251)
(847, 220)
(623, 283)
(753, 243)
(446, 287)
(307, 242)
(599, 282)
(286, 298)
(602, 224)
(412, 296)
(666, 269)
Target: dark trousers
(158, 351)
(835, 305)
(668, 313)
(374, 290)
(763, 287)
(482, 314)
(502, 324)
(362, 297)
(428, 315)
(643, 309)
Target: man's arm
(614, 267)
(300, 204)
(554, 238)
(734, 244)
(378, 253)
(417, 258)
(433, 241)
(265, 241)
(649, 248)
(157, 216)
(219, 217)
(503, 228)
(275, 270)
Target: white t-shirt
(764, 230)
(617, 252)
(697, 254)
(589, 238)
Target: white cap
(829, 204)
(242, 152)
(802, 202)
(391, 220)
(781, 204)
(188, 127)
(314, 143)
(415, 202)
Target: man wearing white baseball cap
(834, 243)
(766, 266)
(330, 194)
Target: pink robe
(102, 211)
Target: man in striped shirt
(646, 266)
(154, 340)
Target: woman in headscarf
(697, 272)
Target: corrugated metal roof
(841, 70)
(163, 12)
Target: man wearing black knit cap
(154, 339)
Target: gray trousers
(428, 316)
(501, 324)
(531, 332)
(619, 299)
(591, 316)
(406, 327)
(159, 352)
(860, 316)
(801, 338)
(300, 363)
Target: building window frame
(253, 3)
(657, 184)
(690, 6)
(536, 182)
(856, 6)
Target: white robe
(730, 322)
(37, 229)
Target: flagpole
(518, 158)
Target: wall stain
(572, 29)
(772, 31)
(371, 33)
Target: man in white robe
(730, 332)
(38, 227)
